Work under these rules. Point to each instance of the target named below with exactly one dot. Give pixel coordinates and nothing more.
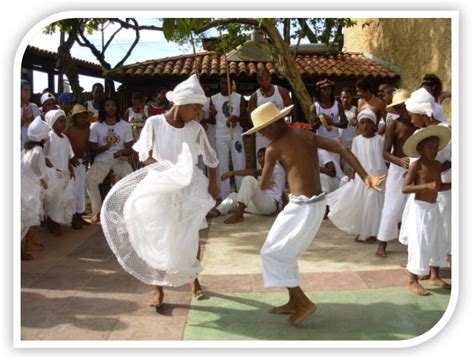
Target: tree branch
(137, 39)
(111, 38)
(127, 25)
(94, 50)
(307, 31)
(222, 22)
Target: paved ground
(76, 290)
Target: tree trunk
(287, 67)
(65, 65)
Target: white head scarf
(367, 113)
(52, 116)
(187, 92)
(420, 102)
(38, 130)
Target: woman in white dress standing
(152, 217)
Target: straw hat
(442, 132)
(265, 115)
(399, 97)
(77, 109)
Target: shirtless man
(78, 135)
(368, 99)
(396, 134)
(296, 150)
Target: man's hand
(405, 162)
(226, 175)
(374, 182)
(432, 186)
(150, 160)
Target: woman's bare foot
(235, 218)
(196, 288)
(301, 314)
(287, 308)
(381, 250)
(157, 298)
(416, 288)
(440, 283)
(213, 213)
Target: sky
(152, 45)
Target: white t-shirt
(346, 135)
(326, 157)
(221, 104)
(118, 134)
(58, 150)
(333, 113)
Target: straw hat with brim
(265, 115)
(399, 97)
(442, 132)
(77, 109)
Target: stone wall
(412, 47)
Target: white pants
(444, 202)
(426, 239)
(80, 188)
(236, 149)
(393, 205)
(255, 200)
(97, 173)
(59, 203)
(328, 184)
(290, 236)
(260, 142)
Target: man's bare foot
(283, 309)
(416, 288)
(235, 218)
(33, 247)
(157, 298)
(213, 213)
(381, 250)
(196, 288)
(440, 283)
(301, 314)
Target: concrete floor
(76, 290)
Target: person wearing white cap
(151, 219)
(396, 133)
(297, 225)
(229, 111)
(48, 103)
(426, 240)
(361, 215)
(59, 203)
(33, 173)
(110, 142)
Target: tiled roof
(209, 64)
(32, 50)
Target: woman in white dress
(152, 217)
(362, 213)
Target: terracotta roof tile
(52, 55)
(209, 64)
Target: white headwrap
(53, 115)
(367, 113)
(187, 92)
(38, 130)
(420, 102)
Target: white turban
(187, 92)
(367, 113)
(420, 102)
(53, 115)
(38, 130)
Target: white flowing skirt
(151, 220)
(355, 209)
(31, 204)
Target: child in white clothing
(427, 237)
(362, 213)
(33, 172)
(59, 203)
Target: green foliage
(88, 25)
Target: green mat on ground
(379, 314)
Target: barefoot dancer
(426, 240)
(152, 217)
(296, 226)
